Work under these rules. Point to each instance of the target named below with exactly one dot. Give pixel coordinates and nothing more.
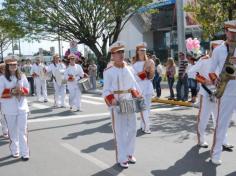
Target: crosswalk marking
(92, 159)
(94, 98)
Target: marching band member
(208, 106)
(57, 67)
(73, 74)
(38, 69)
(3, 120)
(120, 84)
(144, 70)
(13, 89)
(225, 105)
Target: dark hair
(8, 74)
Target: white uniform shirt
(13, 105)
(159, 69)
(219, 56)
(146, 85)
(76, 71)
(119, 79)
(37, 69)
(53, 67)
(203, 67)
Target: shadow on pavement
(107, 145)
(3, 141)
(112, 171)
(192, 162)
(74, 124)
(11, 160)
(105, 128)
(175, 124)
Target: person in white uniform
(13, 89)
(225, 105)
(144, 70)
(120, 84)
(208, 105)
(38, 71)
(3, 119)
(58, 68)
(73, 74)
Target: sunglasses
(119, 52)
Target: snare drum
(131, 105)
(84, 84)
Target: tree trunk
(1, 52)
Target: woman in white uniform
(144, 70)
(13, 89)
(58, 68)
(73, 73)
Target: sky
(29, 48)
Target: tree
(5, 41)
(95, 23)
(211, 14)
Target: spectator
(170, 74)
(92, 70)
(192, 83)
(158, 76)
(183, 78)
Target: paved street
(64, 143)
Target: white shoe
(131, 159)
(203, 145)
(147, 131)
(5, 136)
(124, 165)
(216, 162)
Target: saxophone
(227, 72)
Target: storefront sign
(156, 4)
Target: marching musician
(144, 70)
(3, 119)
(208, 104)
(73, 74)
(225, 105)
(13, 89)
(120, 84)
(37, 72)
(57, 67)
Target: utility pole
(180, 26)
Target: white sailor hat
(117, 46)
(215, 43)
(142, 46)
(230, 25)
(11, 59)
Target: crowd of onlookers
(170, 72)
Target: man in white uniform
(120, 84)
(73, 74)
(38, 70)
(58, 68)
(225, 105)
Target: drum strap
(121, 91)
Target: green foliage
(211, 14)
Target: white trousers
(60, 92)
(4, 124)
(41, 88)
(74, 96)
(124, 128)
(207, 109)
(17, 126)
(226, 107)
(145, 121)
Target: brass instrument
(228, 71)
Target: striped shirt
(182, 67)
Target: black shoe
(45, 101)
(24, 158)
(227, 148)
